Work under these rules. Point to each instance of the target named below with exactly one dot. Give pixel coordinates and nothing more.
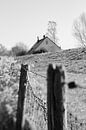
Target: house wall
(49, 46)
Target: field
(74, 62)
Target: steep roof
(38, 44)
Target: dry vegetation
(73, 60)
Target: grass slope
(74, 61)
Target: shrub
(19, 49)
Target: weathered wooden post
(56, 98)
(21, 96)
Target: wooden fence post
(21, 96)
(56, 97)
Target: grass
(74, 61)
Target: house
(44, 45)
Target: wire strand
(46, 77)
(81, 87)
(38, 74)
(35, 73)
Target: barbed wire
(81, 87)
(34, 94)
(78, 86)
(35, 73)
(72, 119)
(39, 101)
(38, 74)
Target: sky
(24, 20)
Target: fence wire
(73, 122)
(46, 78)
(37, 110)
(38, 74)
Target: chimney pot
(43, 36)
(37, 39)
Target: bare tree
(79, 29)
(51, 31)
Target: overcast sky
(24, 20)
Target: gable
(44, 44)
(49, 45)
(35, 46)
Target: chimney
(44, 36)
(37, 39)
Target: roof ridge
(39, 42)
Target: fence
(54, 112)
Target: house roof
(38, 43)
